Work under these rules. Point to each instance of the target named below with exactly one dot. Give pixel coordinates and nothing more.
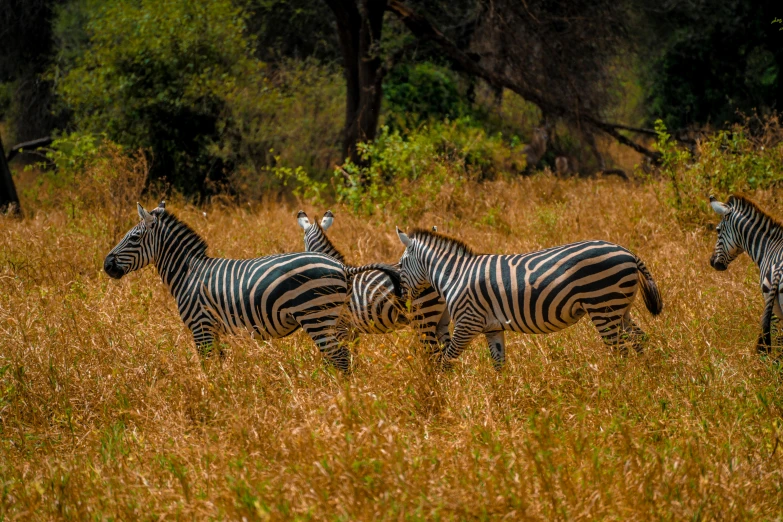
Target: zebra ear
(301, 218)
(327, 220)
(404, 239)
(719, 207)
(148, 218)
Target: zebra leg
(205, 340)
(466, 328)
(497, 348)
(610, 326)
(442, 330)
(632, 333)
(331, 334)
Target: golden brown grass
(106, 412)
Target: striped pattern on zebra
(744, 227)
(374, 309)
(539, 292)
(267, 297)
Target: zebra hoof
(763, 347)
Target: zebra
(745, 227)
(538, 292)
(267, 297)
(373, 308)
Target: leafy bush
(725, 162)
(420, 92)
(415, 172)
(157, 75)
(91, 172)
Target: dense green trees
(708, 60)
(225, 93)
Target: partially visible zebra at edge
(538, 292)
(267, 297)
(745, 227)
(373, 307)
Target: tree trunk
(9, 201)
(359, 28)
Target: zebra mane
(172, 221)
(745, 205)
(335, 252)
(441, 240)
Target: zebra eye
(135, 237)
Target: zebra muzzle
(111, 268)
(717, 264)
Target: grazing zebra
(374, 309)
(267, 297)
(539, 292)
(744, 227)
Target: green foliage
(730, 161)
(290, 119)
(156, 75)
(413, 172)
(84, 171)
(707, 60)
(421, 92)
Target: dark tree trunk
(9, 201)
(359, 28)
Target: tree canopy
(211, 89)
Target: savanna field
(106, 411)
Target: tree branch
(32, 144)
(423, 29)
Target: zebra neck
(440, 269)
(178, 250)
(317, 241)
(763, 242)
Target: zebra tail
(764, 344)
(393, 273)
(650, 294)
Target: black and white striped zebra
(539, 292)
(374, 309)
(266, 297)
(744, 227)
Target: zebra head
(315, 239)
(727, 247)
(136, 249)
(414, 275)
(314, 234)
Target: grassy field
(106, 412)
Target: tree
(574, 95)
(557, 55)
(157, 76)
(27, 49)
(9, 200)
(709, 60)
(359, 28)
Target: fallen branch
(32, 144)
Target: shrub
(92, 172)
(729, 161)
(415, 172)
(420, 92)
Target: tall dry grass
(106, 412)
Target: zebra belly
(566, 320)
